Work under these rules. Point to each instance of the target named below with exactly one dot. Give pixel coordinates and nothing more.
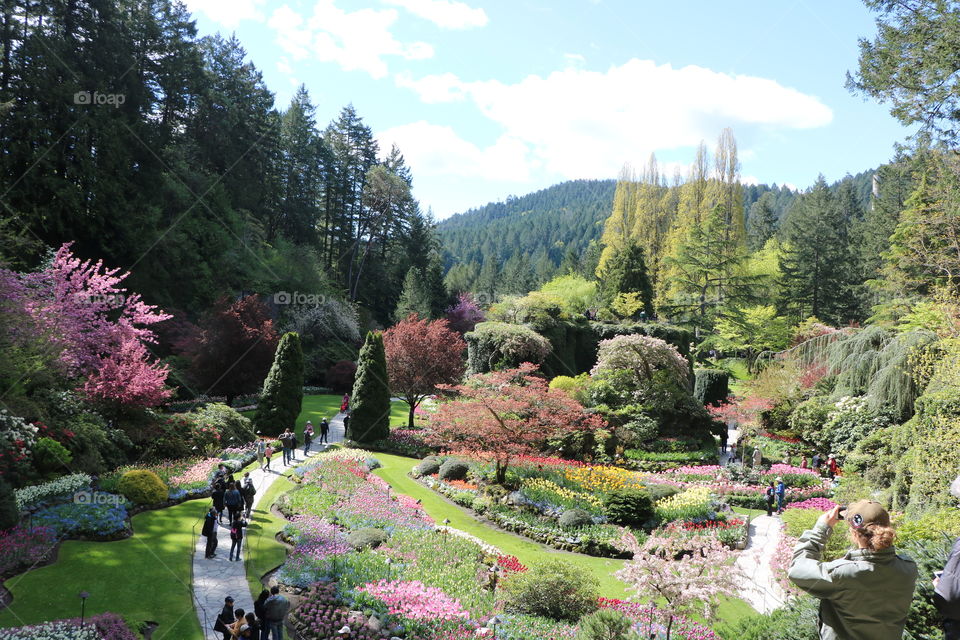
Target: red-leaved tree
(500, 415)
(235, 348)
(422, 354)
(464, 315)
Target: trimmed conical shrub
(282, 395)
(370, 402)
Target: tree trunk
(413, 408)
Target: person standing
(815, 462)
(225, 618)
(866, 593)
(276, 608)
(285, 444)
(307, 437)
(803, 462)
(757, 458)
(233, 501)
(261, 450)
(249, 492)
(325, 428)
(209, 531)
(781, 494)
(346, 403)
(236, 536)
(293, 446)
(259, 608)
(219, 489)
(832, 467)
(946, 586)
(267, 454)
(771, 494)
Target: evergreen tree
(626, 272)
(9, 513)
(763, 221)
(301, 173)
(815, 263)
(370, 401)
(488, 281)
(414, 298)
(282, 396)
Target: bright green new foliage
(142, 487)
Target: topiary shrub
(234, 428)
(629, 507)
(142, 487)
(493, 346)
(711, 386)
(9, 514)
(370, 402)
(282, 396)
(427, 468)
(553, 589)
(454, 469)
(575, 518)
(367, 537)
(605, 624)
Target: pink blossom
(415, 601)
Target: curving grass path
(145, 577)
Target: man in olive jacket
(866, 594)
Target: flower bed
(85, 520)
(34, 495)
(23, 547)
(650, 622)
(593, 540)
(105, 626)
(732, 532)
(823, 504)
(692, 504)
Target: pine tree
(627, 273)
(414, 298)
(815, 262)
(282, 396)
(763, 222)
(370, 401)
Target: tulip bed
(425, 581)
(105, 626)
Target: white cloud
(446, 14)
(582, 124)
(228, 13)
(438, 150)
(356, 40)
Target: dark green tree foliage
(762, 222)
(370, 401)
(627, 273)
(816, 262)
(302, 156)
(911, 64)
(414, 298)
(282, 396)
(9, 514)
(711, 386)
(871, 235)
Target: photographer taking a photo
(866, 594)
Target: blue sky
(488, 99)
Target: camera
(842, 512)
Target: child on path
(266, 456)
(236, 536)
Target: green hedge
(711, 386)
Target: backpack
(235, 532)
(249, 490)
(770, 492)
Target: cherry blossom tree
(685, 576)
(500, 415)
(420, 355)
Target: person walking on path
(293, 446)
(325, 428)
(225, 618)
(267, 454)
(346, 403)
(261, 450)
(209, 531)
(249, 492)
(307, 437)
(771, 495)
(276, 608)
(866, 593)
(219, 489)
(781, 494)
(236, 536)
(285, 444)
(233, 501)
(259, 608)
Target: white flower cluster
(53, 631)
(14, 430)
(36, 493)
(487, 548)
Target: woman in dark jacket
(233, 501)
(218, 492)
(260, 610)
(236, 536)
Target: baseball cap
(228, 599)
(864, 512)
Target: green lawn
(146, 577)
(317, 407)
(262, 550)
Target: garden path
(216, 578)
(758, 587)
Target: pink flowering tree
(97, 330)
(464, 315)
(686, 576)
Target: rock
(374, 623)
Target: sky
(489, 99)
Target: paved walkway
(216, 578)
(759, 588)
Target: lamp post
(492, 624)
(83, 606)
